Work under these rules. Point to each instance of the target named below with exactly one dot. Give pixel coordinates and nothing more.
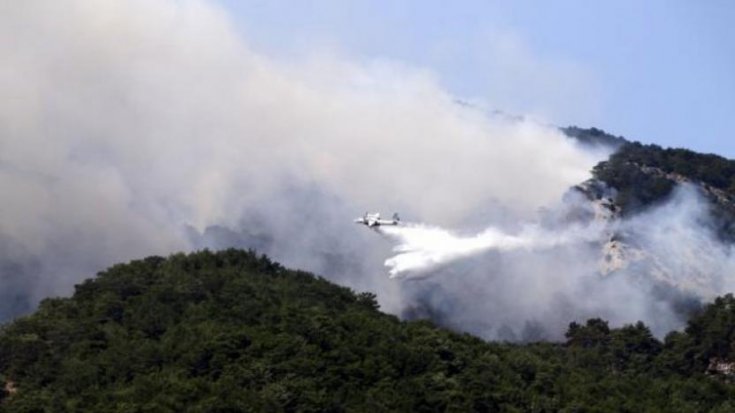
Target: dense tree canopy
(594, 137)
(234, 331)
(629, 171)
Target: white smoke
(531, 283)
(422, 248)
(131, 128)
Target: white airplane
(373, 220)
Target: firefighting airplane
(374, 221)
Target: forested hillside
(638, 176)
(645, 174)
(234, 331)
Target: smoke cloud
(422, 248)
(150, 126)
(572, 263)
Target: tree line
(234, 331)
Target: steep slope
(639, 176)
(643, 175)
(234, 331)
(670, 215)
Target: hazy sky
(655, 71)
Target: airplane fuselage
(373, 220)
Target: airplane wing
(373, 220)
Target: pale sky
(655, 71)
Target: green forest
(638, 189)
(233, 331)
(625, 170)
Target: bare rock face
(634, 247)
(618, 256)
(9, 389)
(721, 367)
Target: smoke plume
(657, 267)
(422, 248)
(147, 127)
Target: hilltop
(235, 331)
(640, 175)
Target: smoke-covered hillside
(152, 127)
(647, 237)
(680, 206)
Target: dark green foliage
(709, 169)
(594, 137)
(709, 336)
(713, 331)
(639, 173)
(635, 188)
(594, 333)
(233, 331)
